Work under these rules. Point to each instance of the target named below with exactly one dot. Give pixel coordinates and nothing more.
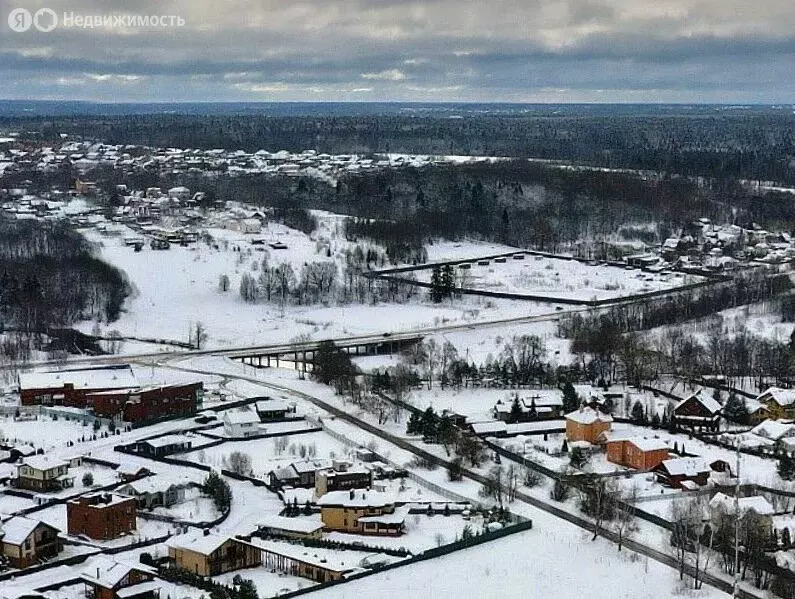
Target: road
(550, 508)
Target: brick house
(361, 511)
(101, 516)
(684, 473)
(69, 387)
(698, 412)
(25, 541)
(106, 578)
(39, 473)
(639, 453)
(211, 554)
(587, 424)
(342, 476)
(146, 404)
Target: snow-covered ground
(555, 277)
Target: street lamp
(736, 585)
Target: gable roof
(709, 403)
(16, 530)
(774, 430)
(685, 466)
(756, 503)
(783, 397)
(588, 416)
(198, 543)
(107, 572)
(43, 462)
(241, 416)
(648, 444)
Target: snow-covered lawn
(556, 277)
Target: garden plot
(422, 532)
(269, 583)
(561, 278)
(269, 454)
(44, 432)
(195, 508)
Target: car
(387, 335)
(558, 308)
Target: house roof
(241, 416)
(43, 462)
(272, 405)
(107, 572)
(686, 466)
(198, 543)
(356, 498)
(774, 429)
(756, 503)
(648, 444)
(588, 416)
(709, 403)
(303, 525)
(397, 517)
(99, 377)
(167, 440)
(783, 397)
(19, 528)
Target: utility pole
(736, 586)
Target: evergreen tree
(638, 413)
(429, 424)
(437, 287)
(786, 467)
(571, 401)
(735, 409)
(515, 414)
(414, 426)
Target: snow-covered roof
(241, 416)
(15, 592)
(488, 427)
(709, 403)
(328, 560)
(783, 397)
(139, 589)
(648, 444)
(43, 462)
(107, 572)
(302, 525)
(397, 517)
(197, 542)
(167, 440)
(19, 528)
(588, 416)
(272, 405)
(686, 466)
(130, 469)
(356, 498)
(87, 378)
(774, 429)
(756, 503)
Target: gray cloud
(512, 50)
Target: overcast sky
(736, 51)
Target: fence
(424, 556)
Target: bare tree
(239, 462)
(624, 523)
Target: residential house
(727, 504)
(241, 423)
(165, 445)
(779, 402)
(640, 453)
(128, 471)
(362, 511)
(684, 473)
(587, 424)
(274, 409)
(539, 405)
(341, 477)
(40, 473)
(25, 541)
(211, 554)
(101, 516)
(302, 561)
(698, 412)
(298, 474)
(106, 578)
(291, 528)
(156, 491)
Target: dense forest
(756, 145)
(50, 278)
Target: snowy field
(554, 560)
(176, 288)
(556, 277)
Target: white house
(250, 225)
(241, 423)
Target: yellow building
(779, 402)
(210, 554)
(362, 511)
(587, 424)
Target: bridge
(302, 354)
